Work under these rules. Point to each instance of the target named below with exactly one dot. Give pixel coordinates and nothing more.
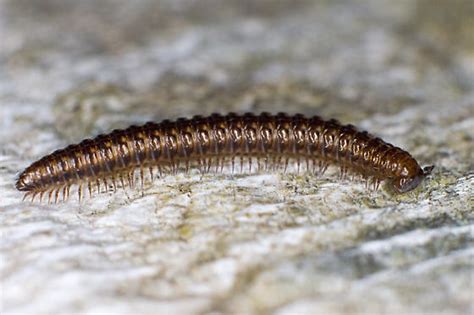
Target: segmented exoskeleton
(258, 142)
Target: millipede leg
(354, 176)
(209, 164)
(97, 182)
(130, 179)
(273, 165)
(372, 183)
(56, 194)
(375, 184)
(50, 194)
(65, 192)
(343, 172)
(41, 193)
(285, 168)
(199, 165)
(89, 187)
(122, 181)
(114, 183)
(141, 179)
(172, 167)
(79, 192)
(323, 167)
(25, 196)
(106, 184)
(216, 169)
(160, 171)
(367, 182)
(33, 196)
(222, 164)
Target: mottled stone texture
(259, 244)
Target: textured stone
(262, 243)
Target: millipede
(264, 141)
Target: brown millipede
(211, 142)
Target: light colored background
(266, 243)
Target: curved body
(271, 140)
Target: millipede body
(263, 141)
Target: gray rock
(261, 243)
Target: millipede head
(407, 183)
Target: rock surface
(262, 243)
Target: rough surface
(265, 243)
